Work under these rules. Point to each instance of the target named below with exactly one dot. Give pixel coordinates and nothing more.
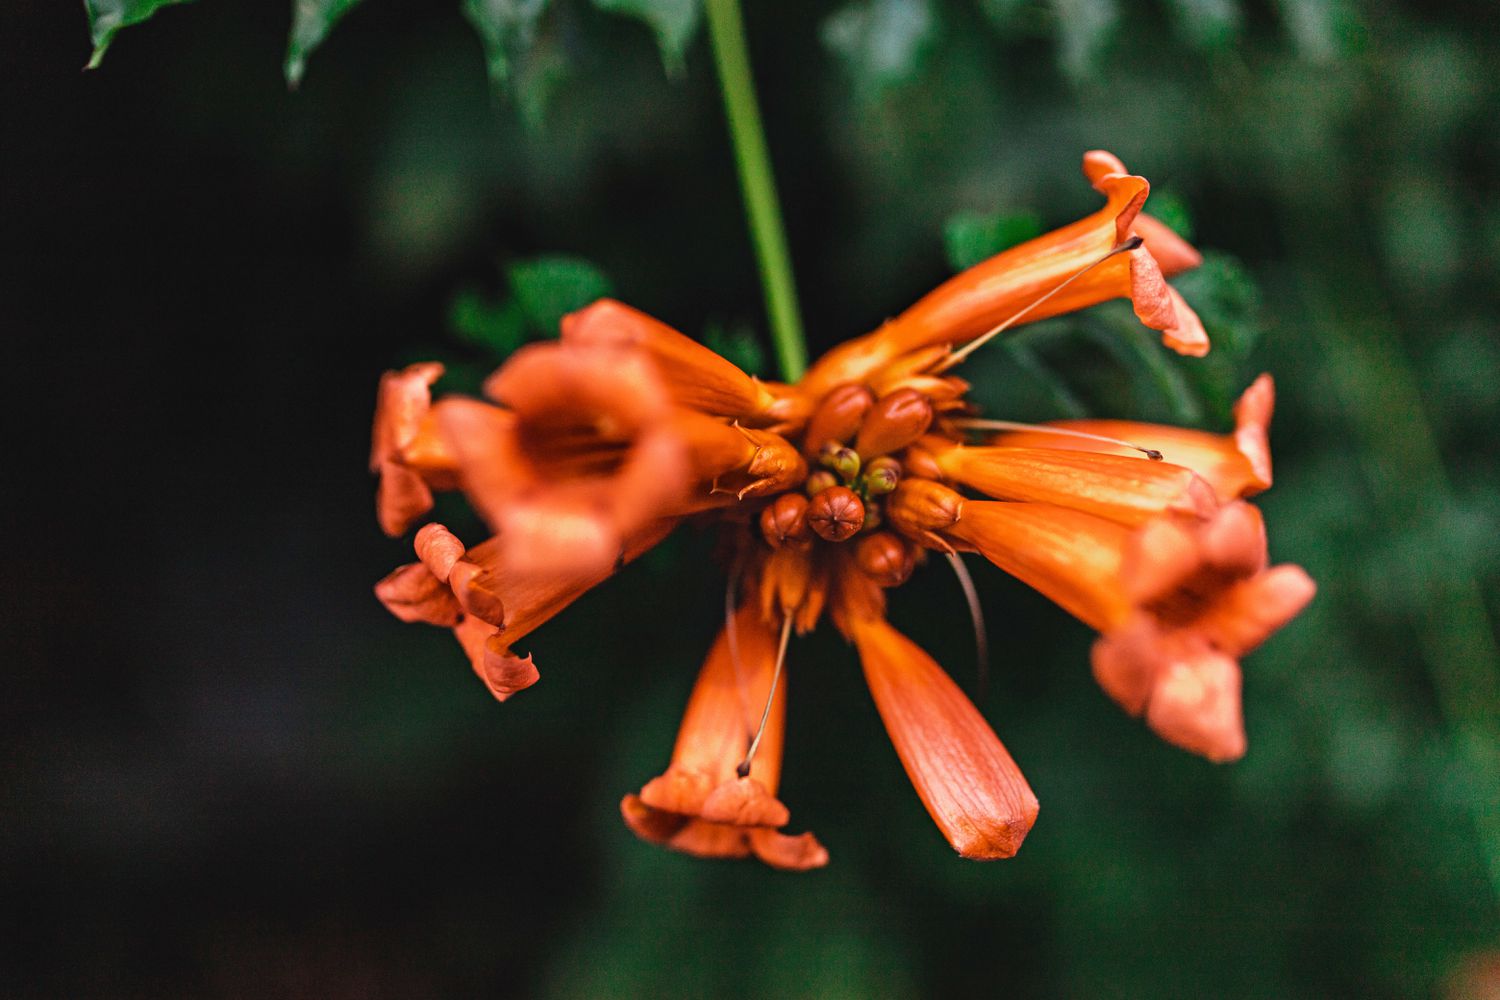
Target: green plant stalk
(726, 30)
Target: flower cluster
(831, 491)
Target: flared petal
(1014, 280)
(405, 448)
(1202, 596)
(502, 672)
(798, 853)
(963, 774)
(701, 805)
(1119, 488)
(488, 606)
(592, 458)
(413, 594)
(1236, 465)
(695, 376)
(703, 839)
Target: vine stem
(726, 29)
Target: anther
(785, 520)
(836, 514)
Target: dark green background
(230, 773)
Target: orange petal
(966, 779)
(1252, 610)
(1173, 253)
(695, 375)
(725, 707)
(1071, 557)
(413, 594)
(401, 403)
(401, 498)
(503, 672)
(1195, 704)
(1235, 465)
(439, 549)
(1119, 488)
(652, 825)
(795, 854)
(703, 839)
(1252, 419)
(744, 802)
(679, 790)
(483, 441)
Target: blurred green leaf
(1166, 206)
(1084, 30)
(540, 71)
(107, 17)
(498, 327)
(675, 22)
(1323, 30)
(881, 42)
(1207, 24)
(739, 345)
(548, 288)
(971, 237)
(507, 29)
(312, 20)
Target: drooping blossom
(590, 450)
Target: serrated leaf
(497, 327)
(312, 20)
(971, 237)
(1084, 29)
(881, 42)
(737, 345)
(675, 22)
(548, 288)
(507, 29)
(107, 17)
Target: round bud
(785, 520)
(896, 420)
(838, 416)
(819, 481)
(885, 558)
(836, 514)
(882, 475)
(844, 462)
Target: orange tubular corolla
(831, 491)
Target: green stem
(726, 29)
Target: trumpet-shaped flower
(832, 490)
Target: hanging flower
(830, 491)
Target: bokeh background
(230, 773)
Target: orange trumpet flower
(832, 490)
